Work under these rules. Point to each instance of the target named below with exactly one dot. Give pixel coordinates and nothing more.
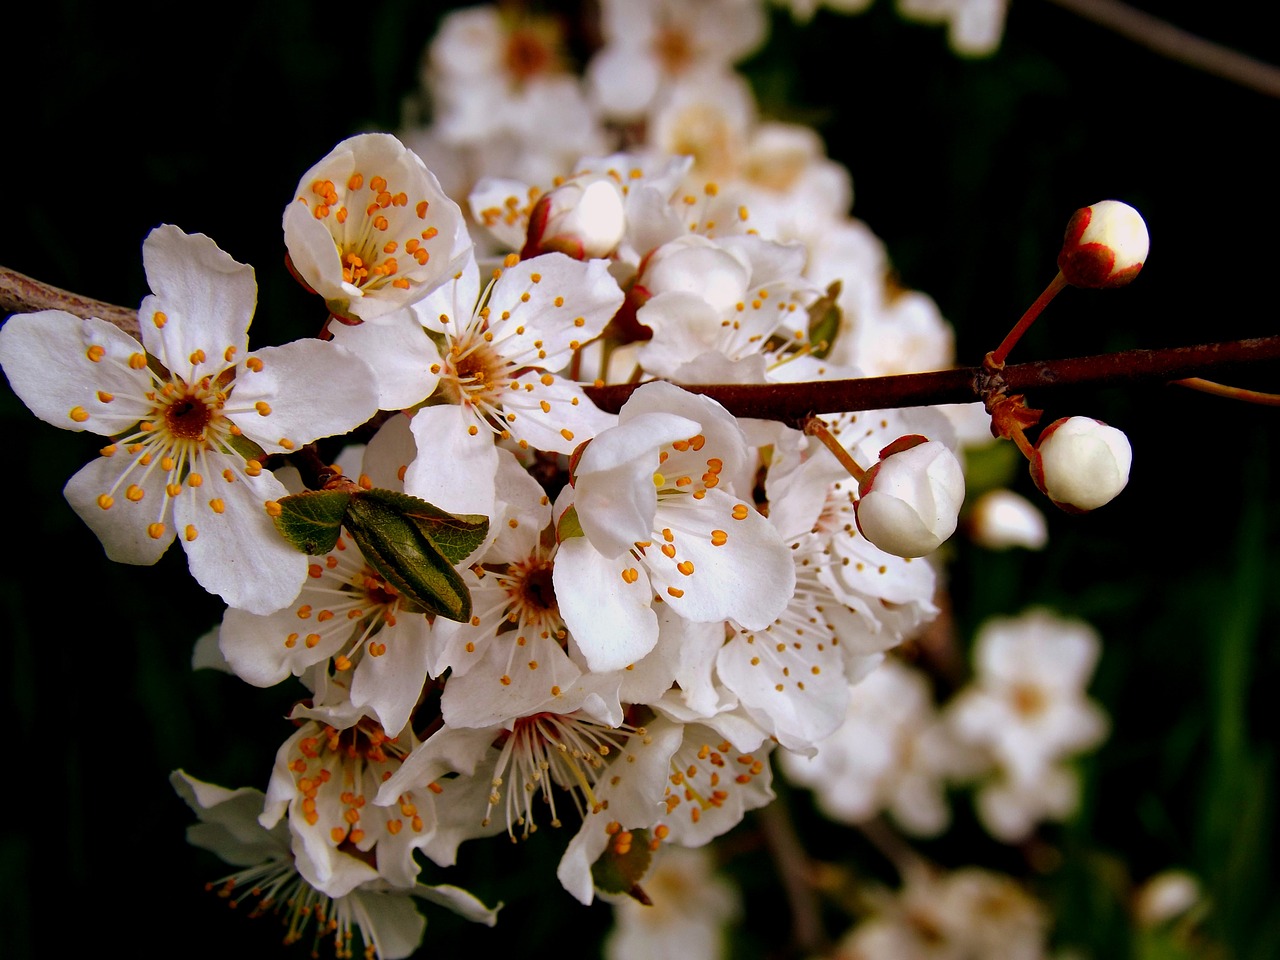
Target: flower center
(532, 595)
(476, 375)
(348, 598)
(183, 434)
(1028, 700)
(706, 134)
(336, 772)
(672, 48)
(188, 417)
(374, 228)
(547, 750)
(527, 56)
(532, 50)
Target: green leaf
(406, 558)
(824, 321)
(455, 535)
(312, 521)
(621, 872)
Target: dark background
(121, 117)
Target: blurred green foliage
(121, 117)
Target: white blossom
(657, 501)
(192, 415)
(370, 229)
(1027, 707)
(382, 916)
(1001, 519)
(689, 909)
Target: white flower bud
(583, 217)
(1105, 246)
(1081, 463)
(1002, 519)
(911, 500)
(1165, 897)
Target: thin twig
(1230, 392)
(1177, 44)
(892, 847)
(795, 873)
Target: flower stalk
(997, 356)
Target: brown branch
(1177, 44)
(22, 294)
(793, 402)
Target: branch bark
(22, 294)
(793, 402)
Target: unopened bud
(1165, 897)
(911, 499)
(1105, 246)
(1081, 463)
(583, 217)
(1002, 519)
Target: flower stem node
(1106, 245)
(911, 499)
(1081, 463)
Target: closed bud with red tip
(1105, 246)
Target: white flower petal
(400, 351)
(391, 683)
(311, 388)
(48, 358)
(123, 527)
(609, 614)
(238, 553)
(729, 562)
(207, 297)
(552, 413)
(455, 467)
(614, 492)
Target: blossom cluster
(1011, 731)
(660, 597)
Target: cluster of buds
(1077, 462)
(1081, 463)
